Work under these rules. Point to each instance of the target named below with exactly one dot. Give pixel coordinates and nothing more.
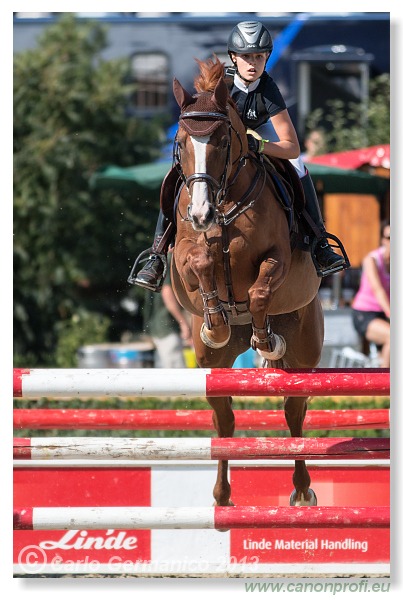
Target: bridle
(218, 188)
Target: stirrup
(142, 258)
(324, 272)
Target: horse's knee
(201, 263)
(258, 298)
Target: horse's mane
(211, 70)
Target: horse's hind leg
(295, 410)
(303, 331)
(223, 416)
(224, 424)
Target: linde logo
(79, 540)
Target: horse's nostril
(210, 214)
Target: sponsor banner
(195, 551)
(82, 487)
(333, 487)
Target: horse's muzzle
(203, 222)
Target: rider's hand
(253, 143)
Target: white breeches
(268, 132)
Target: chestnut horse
(233, 267)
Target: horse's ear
(182, 97)
(220, 95)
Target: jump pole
(36, 383)
(219, 517)
(102, 448)
(201, 420)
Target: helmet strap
(236, 67)
(243, 78)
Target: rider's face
(250, 66)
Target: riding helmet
(250, 37)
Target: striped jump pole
(199, 420)
(56, 383)
(219, 517)
(200, 448)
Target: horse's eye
(224, 142)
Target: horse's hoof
(230, 503)
(313, 501)
(209, 342)
(279, 349)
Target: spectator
(314, 145)
(371, 305)
(167, 323)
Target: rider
(262, 108)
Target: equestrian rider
(262, 109)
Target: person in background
(314, 145)
(168, 324)
(371, 305)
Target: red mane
(211, 70)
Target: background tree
(73, 247)
(350, 126)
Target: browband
(205, 115)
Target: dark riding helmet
(250, 37)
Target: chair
(350, 358)
(371, 350)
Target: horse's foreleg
(269, 345)
(295, 410)
(224, 424)
(216, 331)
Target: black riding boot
(153, 273)
(325, 259)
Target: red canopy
(376, 156)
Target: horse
(233, 266)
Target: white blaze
(200, 196)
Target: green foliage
(73, 247)
(353, 125)
(82, 328)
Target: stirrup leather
(323, 272)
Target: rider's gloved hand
(253, 143)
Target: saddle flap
(288, 173)
(291, 196)
(169, 188)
